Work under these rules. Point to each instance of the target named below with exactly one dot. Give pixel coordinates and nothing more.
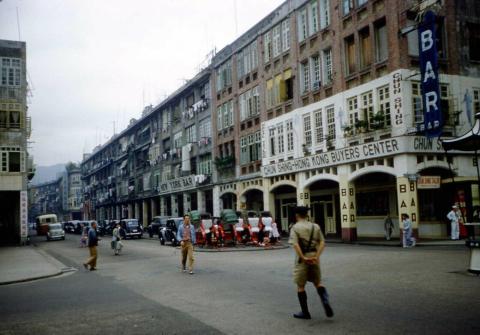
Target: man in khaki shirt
(308, 241)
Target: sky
(94, 64)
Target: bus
(43, 221)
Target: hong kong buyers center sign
(373, 150)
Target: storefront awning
(467, 142)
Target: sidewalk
(20, 264)
(397, 243)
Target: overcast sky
(93, 62)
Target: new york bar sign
(429, 76)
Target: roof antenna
(18, 26)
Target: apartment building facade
(16, 166)
(160, 165)
(354, 149)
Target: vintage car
(55, 232)
(168, 233)
(131, 228)
(158, 222)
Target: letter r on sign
(431, 100)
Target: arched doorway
(375, 198)
(253, 200)
(325, 208)
(285, 199)
(229, 200)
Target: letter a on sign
(432, 113)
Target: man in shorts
(308, 241)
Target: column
(130, 211)
(163, 208)
(174, 205)
(268, 197)
(186, 202)
(407, 203)
(348, 209)
(153, 207)
(144, 213)
(118, 212)
(137, 211)
(201, 205)
(303, 193)
(216, 201)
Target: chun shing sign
(367, 151)
(429, 73)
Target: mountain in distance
(45, 174)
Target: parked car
(55, 232)
(169, 232)
(131, 228)
(157, 223)
(109, 226)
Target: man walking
(186, 236)
(308, 242)
(92, 247)
(388, 225)
(454, 218)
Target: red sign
(429, 182)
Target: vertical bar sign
(23, 214)
(429, 72)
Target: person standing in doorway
(454, 218)
(187, 238)
(308, 241)
(388, 225)
(408, 240)
(92, 247)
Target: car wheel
(162, 241)
(139, 236)
(63, 238)
(150, 234)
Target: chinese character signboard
(429, 74)
(23, 214)
(429, 182)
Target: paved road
(374, 290)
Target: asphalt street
(374, 290)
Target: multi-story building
(354, 148)
(46, 198)
(15, 165)
(71, 192)
(160, 165)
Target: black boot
(322, 292)
(304, 314)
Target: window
(11, 159)
(204, 164)
(352, 108)
(10, 118)
(253, 55)
(272, 141)
(331, 122)
(205, 130)
(219, 118)
(361, 2)
(381, 42)
(383, 95)
(191, 134)
(324, 13)
(347, 6)
(285, 35)
(474, 41)
(412, 39)
(365, 49)
(307, 129)
(366, 100)
(277, 45)
(177, 140)
(350, 54)
(224, 75)
(227, 114)
(267, 45)
(279, 89)
(249, 103)
(304, 77)
(417, 103)
(313, 17)
(372, 203)
(318, 127)
(315, 61)
(280, 138)
(302, 25)
(269, 93)
(448, 118)
(476, 101)
(327, 66)
(243, 150)
(11, 71)
(289, 135)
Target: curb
(241, 250)
(380, 244)
(25, 280)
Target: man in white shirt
(454, 218)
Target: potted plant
(378, 121)
(361, 125)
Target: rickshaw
(202, 223)
(230, 221)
